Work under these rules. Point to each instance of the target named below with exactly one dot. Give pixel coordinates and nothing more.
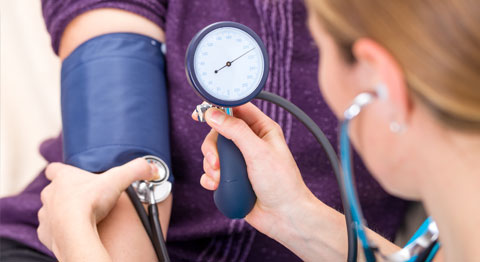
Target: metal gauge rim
(190, 67)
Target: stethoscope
(227, 65)
(424, 244)
(152, 193)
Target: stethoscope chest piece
(154, 191)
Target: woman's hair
(436, 42)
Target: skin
(86, 200)
(120, 232)
(427, 162)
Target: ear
(384, 69)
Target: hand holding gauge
(227, 65)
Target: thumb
(234, 129)
(121, 177)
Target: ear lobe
(386, 70)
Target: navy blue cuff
(114, 102)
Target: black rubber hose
(332, 156)
(137, 204)
(158, 242)
(157, 237)
(155, 233)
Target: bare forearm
(80, 242)
(87, 247)
(84, 216)
(316, 232)
(123, 235)
(119, 237)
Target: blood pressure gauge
(227, 65)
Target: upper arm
(102, 21)
(121, 231)
(72, 22)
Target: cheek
(333, 82)
(373, 143)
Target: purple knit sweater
(199, 232)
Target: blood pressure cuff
(114, 102)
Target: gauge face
(227, 64)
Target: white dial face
(228, 63)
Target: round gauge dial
(227, 64)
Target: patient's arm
(103, 21)
(121, 231)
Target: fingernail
(211, 159)
(154, 171)
(217, 117)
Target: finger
(195, 115)
(259, 122)
(211, 172)
(210, 142)
(208, 183)
(121, 177)
(234, 129)
(42, 228)
(44, 195)
(53, 169)
(209, 149)
(195, 112)
(42, 235)
(41, 214)
(206, 165)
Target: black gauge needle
(229, 63)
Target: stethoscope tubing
(424, 244)
(157, 234)
(151, 223)
(322, 139)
